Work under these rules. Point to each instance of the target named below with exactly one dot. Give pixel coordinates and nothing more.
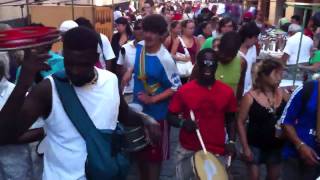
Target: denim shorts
(266, 156)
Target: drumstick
(229, 161)
(198, 133)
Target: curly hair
(264, 68)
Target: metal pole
(28, 13)
(22, 14)
(93, 13)
(72, 6)
(302, 30)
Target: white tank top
(64, 149)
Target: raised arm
(21, 111)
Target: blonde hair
(264, 67)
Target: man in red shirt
(214, 105)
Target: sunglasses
(209, 63)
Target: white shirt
(65, 150)
(128, 61)
(292, 47)
(4, 57)
(107, 50)
(251, 58)
(6, 88)
(187, 16)
(116, 15)
(215, 34)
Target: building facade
(273, 10)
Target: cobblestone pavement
(238, 169)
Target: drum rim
(31, 45)
(135, 128)
(43, 31)
(138, 148)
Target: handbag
(105, 159)
(184, 68)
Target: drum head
(208, 167)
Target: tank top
(230, 73)
(261, 127)
(192, 50)
(65, 149)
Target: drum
(203, 166)
(27, 37)
(134, 139)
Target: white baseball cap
(67, 25)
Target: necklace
(95, 79)
(271, 109)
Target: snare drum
(201, 166)
(134, 139)
(27, 37)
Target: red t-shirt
(177, 17)
(308, 32)
(209, 107)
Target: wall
(11, 12)
(54, 15)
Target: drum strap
(151, 89)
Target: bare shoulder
(243, 63)
(248, 97)
(284, 94)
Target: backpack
(105, 160)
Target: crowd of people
(169, 60)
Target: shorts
(16, 162)
(184, 169)
(157, 152)
(262, 156)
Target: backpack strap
(101, 46)
(186, 51)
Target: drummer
(214, 105)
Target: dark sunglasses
(209, 63)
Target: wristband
(299, 145)
(181, 123)
(231, 142)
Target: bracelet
(231, 142)
(300, 145)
